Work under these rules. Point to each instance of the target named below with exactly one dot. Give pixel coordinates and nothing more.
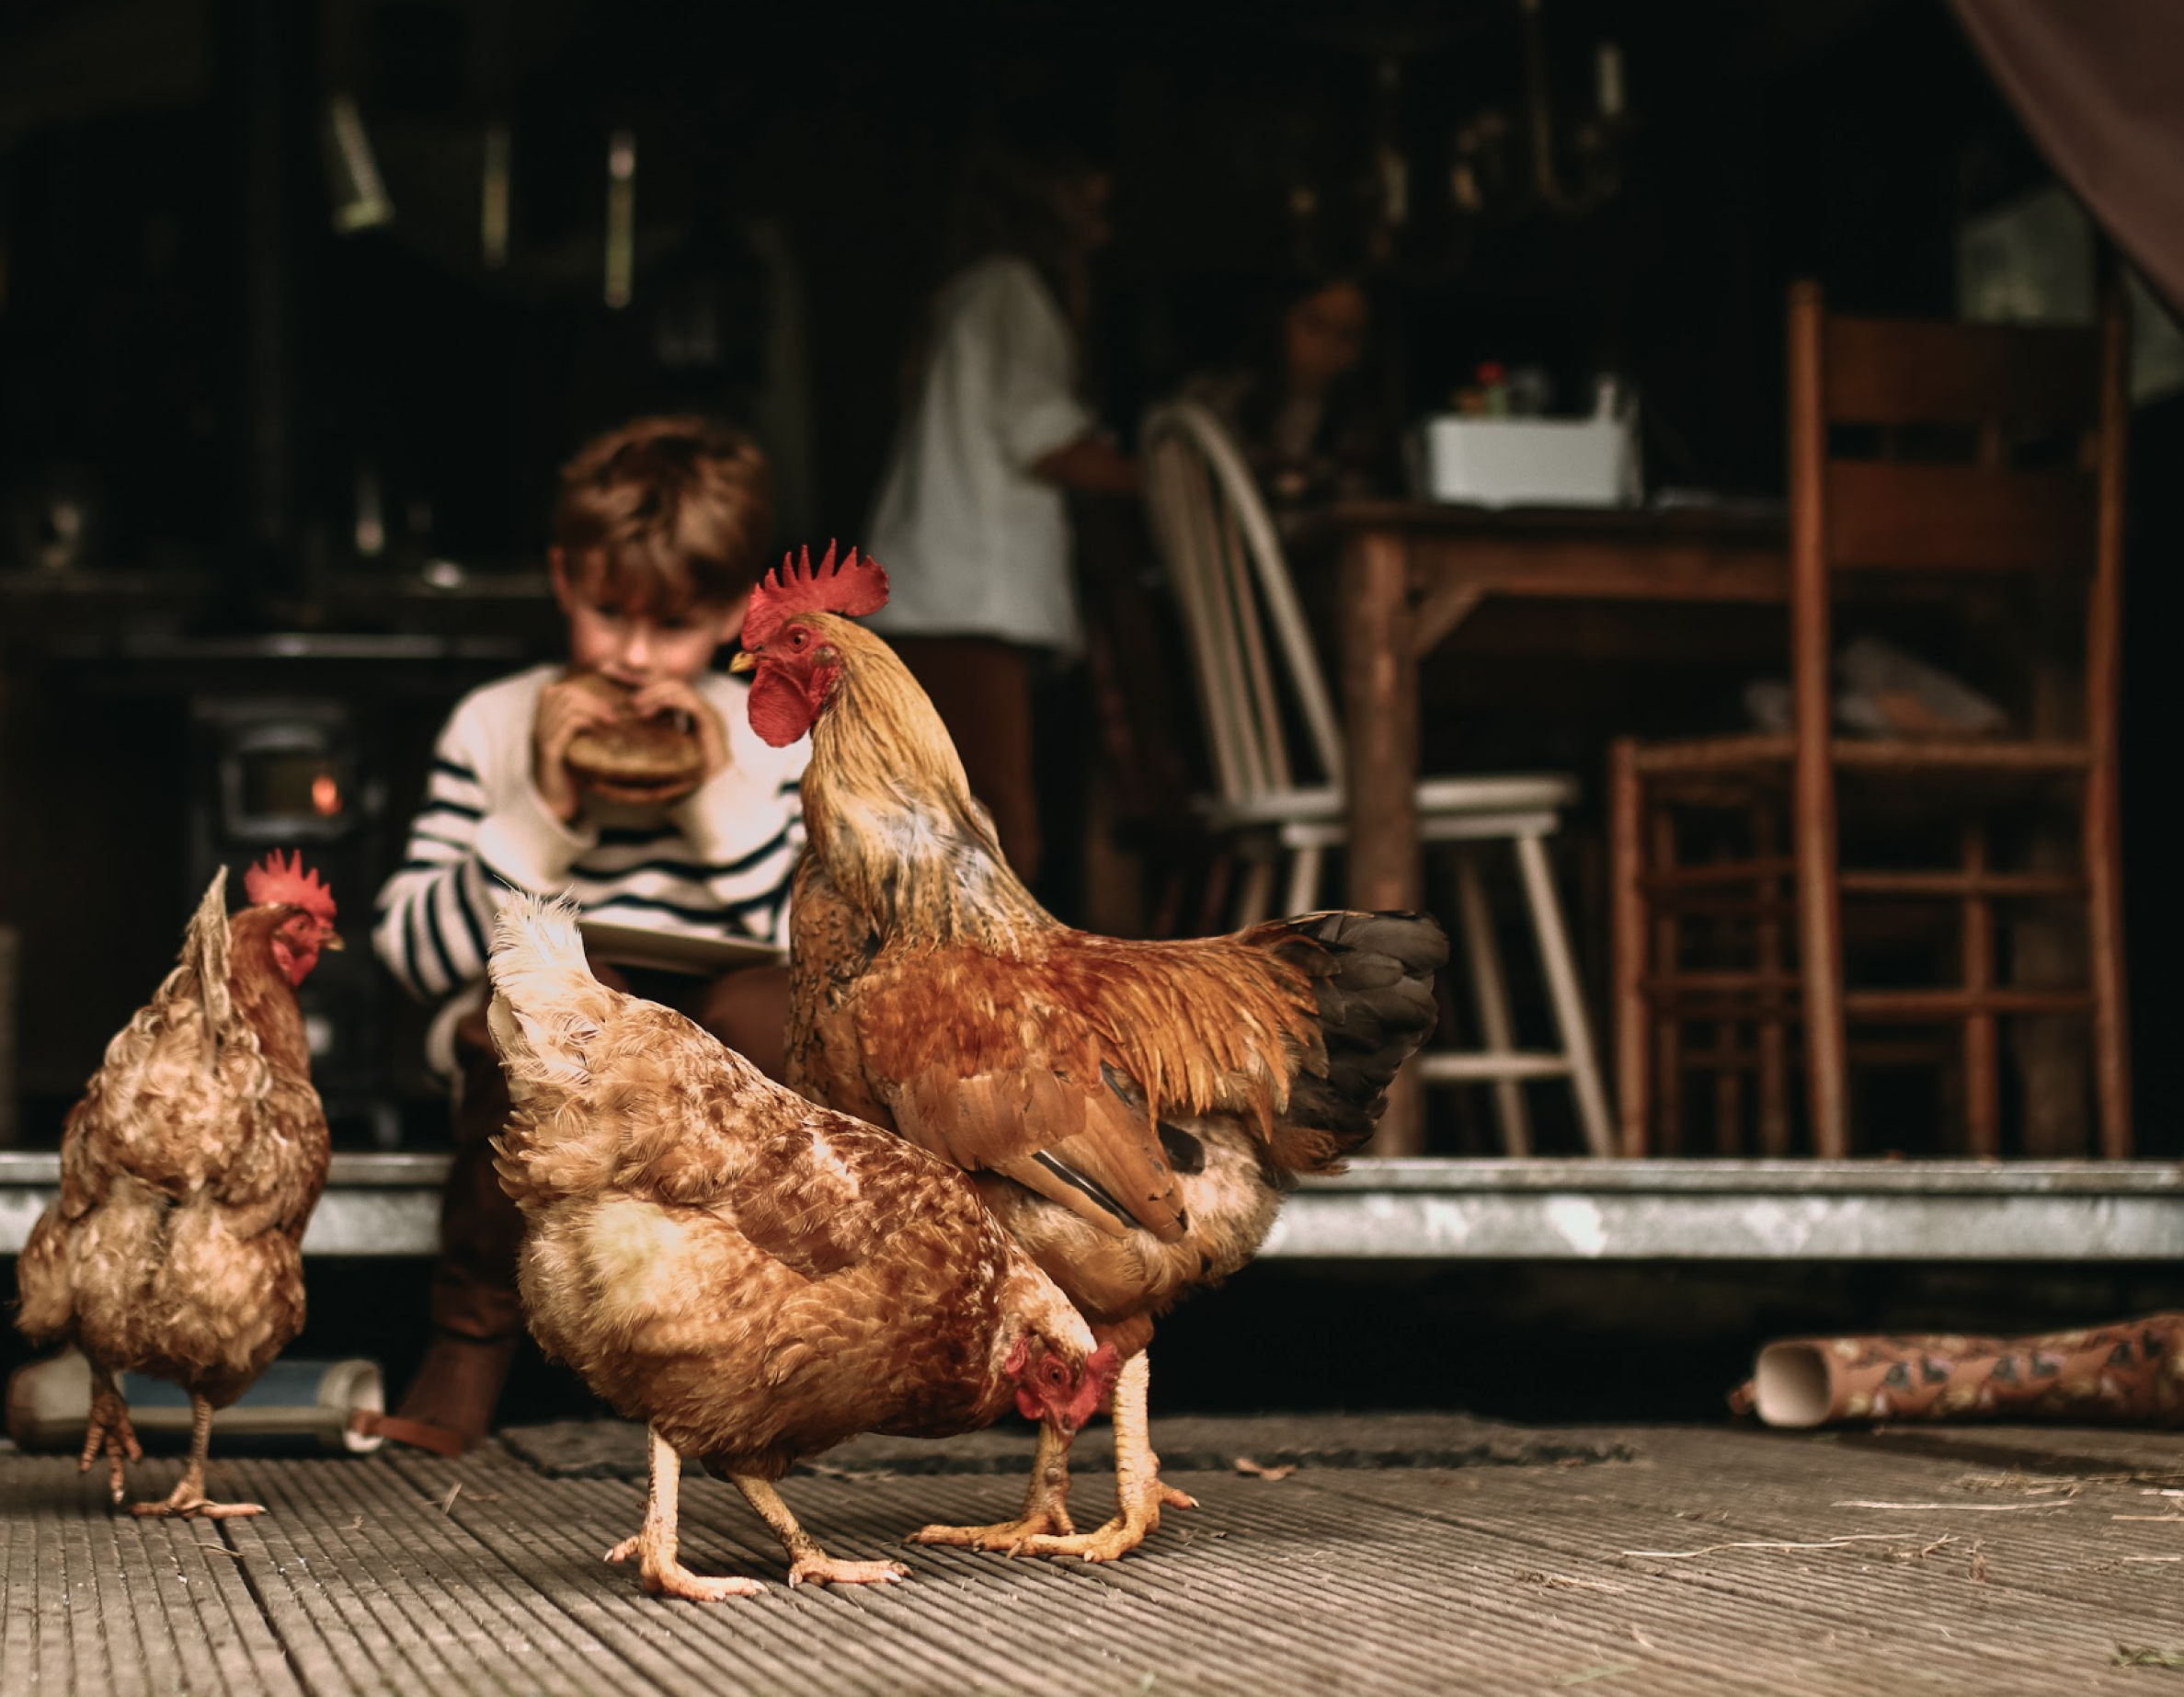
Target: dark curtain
(2097, 83)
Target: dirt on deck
(1411, 1555)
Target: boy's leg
(748, 1011)
(477, 1313)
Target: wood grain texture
(1712, 1559)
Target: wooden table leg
(1380, 747)
(1380, 720)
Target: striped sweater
(719, 862)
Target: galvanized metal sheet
(1509, 1209)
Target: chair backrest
(1251, 647)
(1973, 398)
(1987, 448)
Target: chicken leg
(658, 1570)
(1044, 1527)
(806, 1560)
(1045, 1506)
(110, 1431)
(188, 1499)
(1139, 1495)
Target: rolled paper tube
(49, 1405)
(2129, 1373)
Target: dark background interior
(186, 339)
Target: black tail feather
(1373, 977)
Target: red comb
(286, 884)
(854, 586)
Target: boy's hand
(566, 707)
(675, 695)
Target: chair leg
(1774, 1087)
(1626, 849)
(1563, 990)
(1254, 893)
(1729, 1080)
(1213, 900)
(1306, 867)
(2104, 927)
(1982, 1082)
(1490, 990)
(1666, 1029)
(1820, 941)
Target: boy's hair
(671, 509)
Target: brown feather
(189, 1171)
(928, 981)
(758, 1277)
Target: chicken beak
(745, 660)
(332, 940)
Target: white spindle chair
(1261, 689)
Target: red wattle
(778, 711)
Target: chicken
(1134, 1112)
(187, 1172)
(755, 1277)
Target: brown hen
(187, 1172)
(756, 1278)
(1134, 1111)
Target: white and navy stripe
(720, 865)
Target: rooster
(755, 1277)
(187, 1172)
(1133, 1112)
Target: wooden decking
(1650, 1561)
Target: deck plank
(2053, 1598)
(1350, 1576)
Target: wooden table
(1412, 571)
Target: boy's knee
(748, 1011)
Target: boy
(659, 529)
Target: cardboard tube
(2130, 1374)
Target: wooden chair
(1269, 716)
(2036, 495)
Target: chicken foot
(1139, 1495)
(188, 1499)
(807, 1562)
(655, 1546)
(110, 1431)
(1045, 1506)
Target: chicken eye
(1053, 1370)
(798, 638)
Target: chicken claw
(819, 1569)
(1138, 1493)
(187, 1501)
(655, 1545)
(1138, 1518)
(660, 1573)
(1005, 1537)
(1046, 1507)
(112, 1432)
(807, 1562)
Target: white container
(49, 1405)
(1491, 462)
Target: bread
(647, 761)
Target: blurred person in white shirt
(971, 521)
